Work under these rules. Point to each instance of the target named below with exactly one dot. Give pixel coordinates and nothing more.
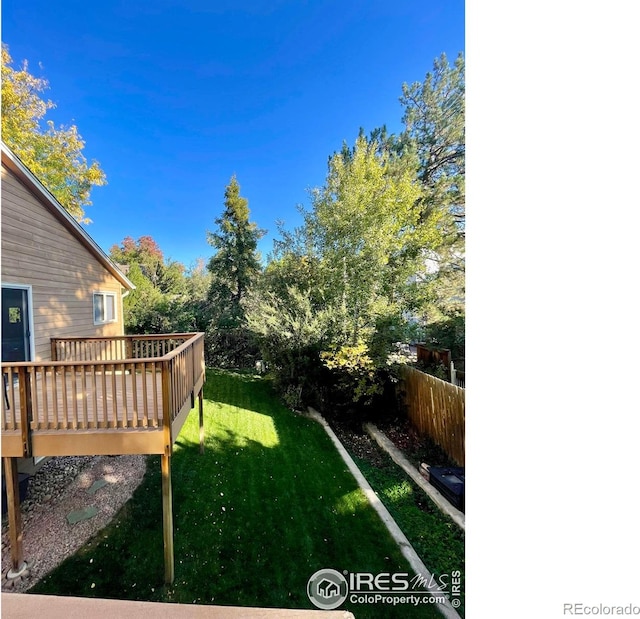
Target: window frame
(104, 295)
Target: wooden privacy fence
(436, 409)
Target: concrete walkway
(28, 606)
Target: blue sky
(173, 97)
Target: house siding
(38, 250)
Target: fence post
(453, 374)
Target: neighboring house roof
(46, 198)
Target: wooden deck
(27, 606)
(101, 396)
(93, 403)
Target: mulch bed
(401, 433)
(416, 448)
(358, 443)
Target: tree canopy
(166, 298)
(434, 118)
(53, 154)
(145, 253)
(362, 222)
(379, 258)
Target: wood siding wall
(39, 251)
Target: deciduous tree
(168, 277)
(53, 154)
(163, 300)
(363, 220)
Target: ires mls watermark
(327, 588)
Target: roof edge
(16, 165)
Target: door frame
(31, 338)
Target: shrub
(434, 369)
(448, 332)
(230, 348)
(293, 331)
(358, 389)
(289, 333)
(354, 372)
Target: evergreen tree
(434, 118)
(235, 266)
(235, 269)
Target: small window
(104, 307)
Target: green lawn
(437, 540)
(268, 504)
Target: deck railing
(116, 348)
(93, 384)
(185, 367)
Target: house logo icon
(327, 589)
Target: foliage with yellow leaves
(53, 154)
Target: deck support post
(167, 519)
(13, 514)
(201, 418)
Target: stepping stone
(82, 514)
(99, 483)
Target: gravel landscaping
(65, 486)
